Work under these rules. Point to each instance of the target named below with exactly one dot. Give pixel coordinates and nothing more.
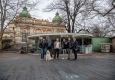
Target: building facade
(25, 25)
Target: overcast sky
(39, 14)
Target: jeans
(64, 52)
(69, 51)
(43, 52)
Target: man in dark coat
(64, 47)
(75, 47)
(69, 48)
(43, 47)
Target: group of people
(68, 47)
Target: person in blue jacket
(50, 46)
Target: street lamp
(5, 42)
(14, 34)
(24, 39)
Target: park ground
(95, 66)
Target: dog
(48, 57)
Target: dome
(57, 18)
(24, 13)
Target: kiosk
(84, 40)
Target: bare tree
(100, 8)
(103, 11)
(96, 31)
(101, 30)
(85, 14)
(9, 9)
(70, 9)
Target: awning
(61, 35)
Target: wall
(97, 40)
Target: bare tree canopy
(70, 9)
(104, 7)
(86, 14)
(8, 11)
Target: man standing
(57, 47)
(43, 47)
(50, 46)
(75, 46)
(69, 48)
(64, 47)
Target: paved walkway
(96, 66)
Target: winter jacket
(50, 45)
(69, 45)
(64, 45)
(75, 44)
(43, 45)
(55, 45)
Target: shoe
(62, 58)
(41, 59)
(68, 58)
(71, 59)
(74, 59)
(57, 58)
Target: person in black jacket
(69, 48)
(43, 47)
(64, 47)
(75, 47)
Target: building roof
(25, 13)
(57, 18)
(62, 35)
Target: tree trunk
(69, 29)
(0, 46)
(73, 26)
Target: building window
(13, 28)
(48, 31)
(24, 37)
(38, 31)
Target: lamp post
(14, 37)
(0, 17)
(26, 44)
(5, 43)
(24, 39)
